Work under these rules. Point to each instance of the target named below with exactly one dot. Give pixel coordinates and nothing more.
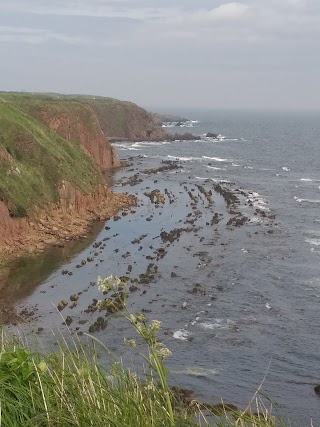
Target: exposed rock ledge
(55, 223)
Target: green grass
(36, 162)
(112, 114)
(75, 387)
(84, 384)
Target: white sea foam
(217, 324)
(150, 143)
(197, 372)
(182, 335)
(235, 165)
(314, 242)
(306, 200)
(183, 159)
(222, 181)
(306, 179)
(285, 168)
(212, 167)
(216, 159)
(258, 201)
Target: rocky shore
(55, 224)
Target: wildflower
(162, 351)
(155, 325)
(141, 318)
(133, 319)
(131, 342)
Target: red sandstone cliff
(55, 223)
(81, 126)
(70, 216)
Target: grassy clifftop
(49, 138)
(118, 119)
(35, 160)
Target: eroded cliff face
(125, 120)
(86, 131)
(63, 221)
(70, 216)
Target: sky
(167, 53)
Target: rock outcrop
(62, 221)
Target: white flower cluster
(155, 325)
(131, 342)
(111, 283)
(162, 351)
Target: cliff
(52, 152)
(125, 120)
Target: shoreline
(54, 226)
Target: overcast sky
(191, 53)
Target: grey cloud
(174, 51)
(35, 36)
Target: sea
(241, 313)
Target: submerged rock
(62, 305)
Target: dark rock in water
(68, 320)
(98, 325)
(212, 135)
(182, 396)
(173, 274)
(187, 136)
(317, 389)
(133, 288)
(74, 297)
(62, 304)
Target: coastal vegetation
(34, 162)
(85, 384)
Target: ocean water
(277, 295)
(256, 317)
